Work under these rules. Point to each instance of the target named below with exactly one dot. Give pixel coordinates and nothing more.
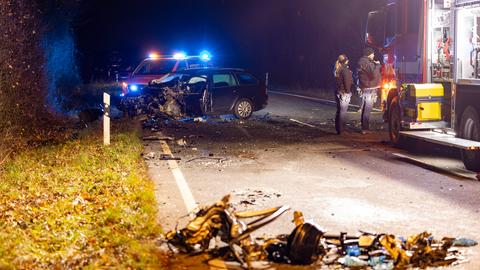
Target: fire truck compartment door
(429, 111)
(443, 139)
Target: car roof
(208, 69)
(171, 57)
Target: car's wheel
(395, 122)
(470, 129)
(243, 108)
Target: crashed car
(200, 91)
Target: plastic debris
(464, 242)
(352, 261)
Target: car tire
(470, 130)
(303, 244)
(395, 122)
(243, 108)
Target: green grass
(79, 205)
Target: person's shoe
(363, 132)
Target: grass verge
(79, 205)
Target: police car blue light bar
(180, 56)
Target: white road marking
(302, 123)
(182, 184)
(317, 99)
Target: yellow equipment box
(423, 102)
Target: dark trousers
(369, 97)
(343, 99)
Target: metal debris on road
(157, 138)
(302, 123)
(218, 159)
(182, 142)
(255, 197)
(168, 157)
(221, 232)
(155, 156)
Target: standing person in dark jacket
(343, 93)
(369, 78)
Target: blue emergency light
(205, 56)
(180, 56)
(133, 88)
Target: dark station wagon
(218, 91)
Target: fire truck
(431, 72)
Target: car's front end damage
(174, 99)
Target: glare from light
(205, 56)
(452, 133)
(122, 94)
(153, 55)
(133, 87)
(180, 56)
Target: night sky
(296, 41)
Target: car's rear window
(246, 79)
(224, 80)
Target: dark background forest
(51, 48)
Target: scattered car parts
(307, 243)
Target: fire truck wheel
(394, 122)
(243, 108)
(470, 129)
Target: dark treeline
(37, 60)
(296, 41)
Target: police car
(156, 66)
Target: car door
(249, 85)
(224, 91)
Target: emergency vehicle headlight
(180, 56)
(133, 88)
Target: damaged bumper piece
(307, 243)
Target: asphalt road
(343, 183)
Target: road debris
(168, 157)
(254, 197)
(302, 123)
(157, 138)
(222, 233)
(155, 156)
(182, 142)
(218, 159)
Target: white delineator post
(106, 119)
